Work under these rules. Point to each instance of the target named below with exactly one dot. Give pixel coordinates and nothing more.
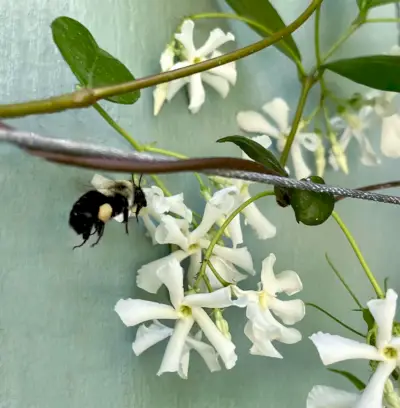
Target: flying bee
(91, 211)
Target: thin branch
(373, 187)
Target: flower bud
(222, 324)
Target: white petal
(269, 283)
(197, 94)
(150, 227)
(235, 231)
(254, 122)
(373, 393)
(147, 337)
(301, 169)
(184, 361)
(238, 256)
(227, 71)
(171, 275)
(177, 206)
(262, 346)
(169, 232)
(328, 397)
(216, 39)
(257, 221)
(390, 139)
(338, 123)
(309, 141)
(368, 155)
(160, 93)
(289, 282)
(167, 59)
(156, 202)
(219, 298)
(226, 270)
(333, 349)
(175, 86)
(383, 311)
(194, 266)
(225, 348)
(207, 352)
(135, 311)
(221, 85)
(278, 109)
(289, 311)
(147, 278)
(173, 352)
(225, 199)
(185, 37)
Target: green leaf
(366, 4)
(312, 208)
(256, 152)
(93, 66)
(351, 377)
(376, 71)
(263, 13)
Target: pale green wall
(61, 344)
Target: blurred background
(61, 343)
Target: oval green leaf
(351, 377)
(267, 22)
(376, 71)
(256, 152)
(311, 208)
(93, 66)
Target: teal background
(61, 344)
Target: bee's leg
(78, 246)
(86, 235)
(138, 208)
(100, 230)
(126, 218)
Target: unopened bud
(320, 161)
(339, 155)
(222, 324)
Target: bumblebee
(92, 210)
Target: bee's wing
(100, 182)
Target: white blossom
(328, 397)
(185, 310)
(147, 337)
(220, 78)
(278, 110)
(191, 243)
(262, 327)
(333, 349)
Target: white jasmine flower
(328, 397)
(333, 349)
(147, 337)
(186, 310)
(219, 78)
(157, 204)
(262, 326)
(160, 91)
(354, 126)
(278, 110)
(191, 243)
(252, 215)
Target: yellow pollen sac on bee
(105, 212)
(390, 352)
(263, 299)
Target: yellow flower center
(196, 60)
(185, 311)
(263, 299)
(390, 352)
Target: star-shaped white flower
(262, 327)
(220, 78)
(351, 126)
(278, 110)
(328, 397)
(157, 204)
(252, 215)
(147, 337)
(186, 310)
(191, 243)
(333, 349)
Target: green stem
(220, 279)
(307, 84)
(337, 273)
(256, 25)
(220, 232)
(359, 255)
(317, 46)
(335, 319)
(383, 20)
(87, 97)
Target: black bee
(90, 213)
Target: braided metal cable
(34, 143)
